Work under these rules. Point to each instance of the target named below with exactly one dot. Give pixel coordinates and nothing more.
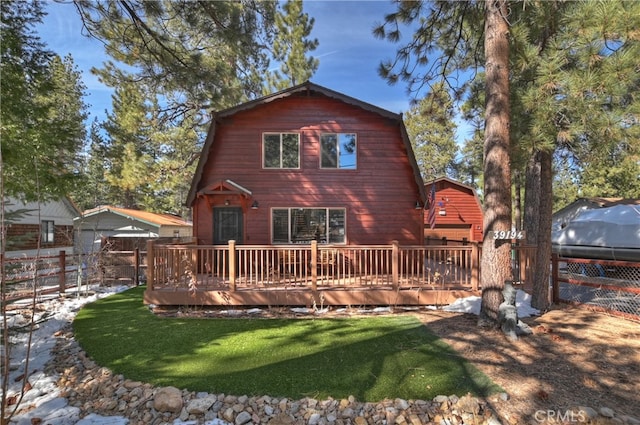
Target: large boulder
(168, 399)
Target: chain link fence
(609, 285)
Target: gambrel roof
(305, 89)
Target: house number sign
(506, 234)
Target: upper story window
(47, 234)
(303, 225)
(338, 150)
(281, 150)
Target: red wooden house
(324, 200)
(306, 164)
(458, 214)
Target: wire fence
(613, 286)
(46, 276)
(609, 285)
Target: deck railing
(254, 266)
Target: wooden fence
(57, 274)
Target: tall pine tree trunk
(496, 254)
(538, 218)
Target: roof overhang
(225, 187)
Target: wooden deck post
(475, 265)
(62, 265)
(314, 266)
(150, 266)
(232, 265)
(395, 266)
(194, 260)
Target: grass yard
(370, 358)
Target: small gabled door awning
(225, 187)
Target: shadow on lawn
(372, 358)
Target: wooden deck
(291, 292)
(309, 275)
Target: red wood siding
(379, 196)
(463, 212)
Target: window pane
(280, 224)
(308, 225)
(47, 231)
(290, 150)
(348, 150)
(303, 225)
(328, 151)
(271, 151)
(336, 226)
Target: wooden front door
(227, 225)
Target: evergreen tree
(578, 73)
(189, 58)
(469, 167)
(197, 56)
(431, 129)
(93, 190)
(572, 99)
(290, 46)
(174, 166)
(130, 153)
(444, 46)
(149, 162)
(599, 84)
(42, 110)
(496, 254)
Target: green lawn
(370, 358)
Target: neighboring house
(304, 164)
(125, 229)
(458, 214)
(48, 223)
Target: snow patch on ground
(472, 305)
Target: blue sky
(349, 54)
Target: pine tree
(496, 254)
(190, 58)
(290, 47)
(42, 110)
(93, 190)
(444, 46)
(431, 128)
(130, 155)
(198, 56)
(572, 95)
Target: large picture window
(281, 150)
(338, 150)
(303, 225)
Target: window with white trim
(303, 225)
(280, 150)
(338, 150)
(47, 231)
